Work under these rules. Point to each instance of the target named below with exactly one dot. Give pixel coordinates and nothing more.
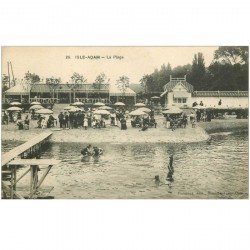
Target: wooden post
(41, 180)
(12, 182)
(9, 73)
(31, 180)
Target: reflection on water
(214, 169)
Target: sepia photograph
(124, 122)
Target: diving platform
(28, 147)
(33, 166)
(27, 157)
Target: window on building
(180, 100)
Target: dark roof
(136, 87)
(220, 94)
(170, 85)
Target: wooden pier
(29, 146)
(15, 157)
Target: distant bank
(224, 125)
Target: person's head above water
(89, 146)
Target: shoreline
(131, 135)
(110, 134)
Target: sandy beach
(110, 134)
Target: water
(214, 169)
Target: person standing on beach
(66, 120)
(71, 120)
(60, 118)
(85, 121)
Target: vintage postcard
(125, 122)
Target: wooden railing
(92, 100)
(44, 100)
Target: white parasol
(99, 104)
(16, 103)
(44, 111)
(101, 112)
(140, 104)
(119, 104)
(37, 106)
(14, 109)
(137, 112)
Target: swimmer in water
(170, 169)
(87, 151)
(97, 151)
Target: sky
(62, 62)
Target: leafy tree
(232, 54)
(53, 84)
(123, 84)
(100, 80)
(5, 83)
(181, 71)
(76, 78)
(230, 68)
(31, 78)
(76, 81)
(198, 72)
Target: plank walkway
(39, 162)
(7, 157)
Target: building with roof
(179, 92)
(68, 93)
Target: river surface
(214, 169)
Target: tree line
(228, 71)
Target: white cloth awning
(181, 94)
(115, 91)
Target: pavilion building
(69, 93)
(178, 92)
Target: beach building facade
(179, 92)
(69, 93)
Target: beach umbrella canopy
(144, 109)
(44, 111)
(137, 112)
(35, 103)
(119, 104)
(14, 109)
(140, 104)
(99, 104)
(15, 103)
(105, 107)
(77, 104)
(101, 112)
(199, 107)
(173, 110)
(37, 106)
(68, 108)
(74, 109)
